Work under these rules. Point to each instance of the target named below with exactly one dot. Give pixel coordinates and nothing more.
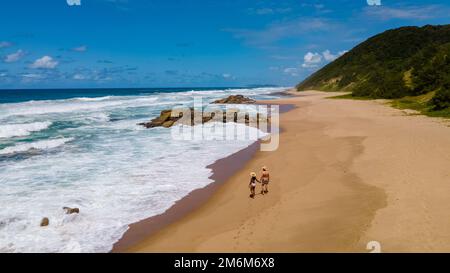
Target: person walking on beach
(252, 184)
(265, 179)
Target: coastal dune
(346, 173)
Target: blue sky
(174, 43)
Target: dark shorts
(265, 181)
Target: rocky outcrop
(45, 222)
(71, 210)
(235, 99)
(166, 119)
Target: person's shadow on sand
(254, 195)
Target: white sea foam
(71, 105)
(94, 99)
(16, 130)
(38, 145)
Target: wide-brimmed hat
(253, 174)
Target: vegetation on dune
(422, 104)
(442, 98)
(407, 62)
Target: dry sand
(347, 172)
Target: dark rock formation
(235, 99)
(71, 210)
(45, 222)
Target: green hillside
(408, 61)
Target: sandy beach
(346, 172)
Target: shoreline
(222, 169)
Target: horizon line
(116, 88)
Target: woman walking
(252, 184)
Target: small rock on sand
(45, 222)
(71, 210)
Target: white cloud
(73, 2)
(33, 76)
(374, 2)
(5, 44)
(228, 76)
(291, 71)
(328, 56)
(79, 77)
(82, 48)
(311, 60)
(14, 57)
(45, 62)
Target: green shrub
(441, 100)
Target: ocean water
(83, 148)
